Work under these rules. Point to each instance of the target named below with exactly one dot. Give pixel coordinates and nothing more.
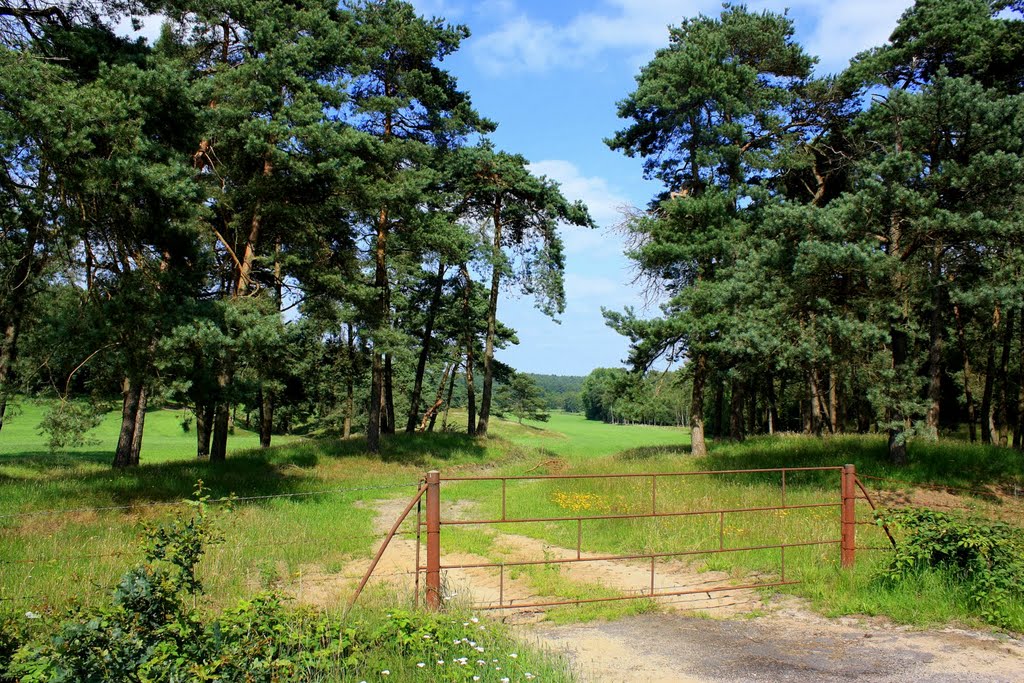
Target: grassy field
(308, 508)
(164, 437)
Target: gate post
(849, 515)
(433, 584)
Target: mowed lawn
(309, 507)
(570, 436)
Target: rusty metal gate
(430, 497)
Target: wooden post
(433, 584)
(849, 515)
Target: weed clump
(986, 557)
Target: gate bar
(521, 520)
(433, 582)
(384, 546)
(849, 515)
(642, 474)
(646, 556)
(639, 593)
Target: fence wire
(212, 501)
(101, 581)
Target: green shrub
(986, 556)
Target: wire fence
(57, 567)
(997, 503)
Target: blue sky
(550, 73)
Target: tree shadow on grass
(651, 452)
(46, 461)
(73, 480)
(948, 463)
(422, 450)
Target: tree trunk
(448, 401)
(698, 446)
(1018, 431)
(492, 317)
(350, 404)
(8, 347)
(428, 334)
(816, 402)
(376, 395)
(986, 397)
(29, 265)
(736, 411)
(266, 401)
(935, 366)
(470, 393)
(221, 420)
(1003, 419)
(467, 318)
(350, 384)
(972, 419)
(380, 283)
(833, 400)
(430, 416)
(773, 410)
(204, 429)
(131, 392)
(752, 426)
(255, 227)
(898, 436)
(388, 427)
(718, 426)
(140, 425)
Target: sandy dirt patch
(788, 644)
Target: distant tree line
(561, 392)
(840, 252)
(617, 396)
(284, 209)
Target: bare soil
(788, 644)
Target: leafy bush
(987, 556)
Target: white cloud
(604, 203)
(522, 43)
(590, 288)
(438, 8)
(834, 31)
(845, 29)
(149, 27)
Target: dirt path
(789, 643)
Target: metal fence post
(433, 584)
(849, 515)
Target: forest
(283, 211)
(291, 215)
(837, 252)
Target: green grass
(163, 440)
(569, 436)
(286, 541)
